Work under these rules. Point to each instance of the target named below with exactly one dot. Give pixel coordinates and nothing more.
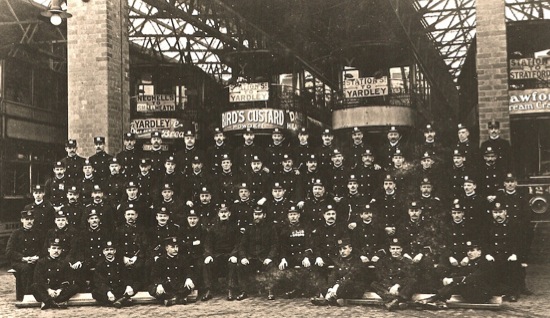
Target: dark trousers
(25, 273)
(220, 267)
(474, 293)
(511, 278)
(40, 292)
(406, 290)
(101, 296)
(171, 290)
(256, 274)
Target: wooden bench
(18, 288)
(86, 299)
(456, 301)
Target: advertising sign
(170, 128)
(156, 103)
(261, 118)
(365, 87)
(529, 101)
(530, 68)
(249, 92)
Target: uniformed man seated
(473, 281)
(171, 275)
(347, 280)
(52, 285)
(112, 280)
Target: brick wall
(98, 71)
(492, 71)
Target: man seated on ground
(171, 276)
(472, 281)
(23, 250)
(395, 277)
(113, 284)
(347, 279)
(52, 285)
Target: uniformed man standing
(356, 150)
(368, 235)
(115, 183)
(257, 179)
(243, 207)
(491, 175)
(164, 228)
(216, 151)
(24, 249)
(43, 210)
(129, 156)
(53, 285)
(247, 151)
(104, 209)
(314, 207)
(62, 231)
(190, 151)
(325, 151)
(276, 150)
(157, 156)
(368, 174)
(87, 183)
(172, 275)
(113, 284)
(467, 147)
(55, 187)
(73, 162)
(73, 208)
(193, 238)
(393, 143)
(100, 160)
(133, 247)
(500, 145)
(302, 151)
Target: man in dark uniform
(157, 156)
(277, 205)
(295, 252)
(137, 200)
(164, 228)
(309, 175)
(491, 175)
(430, 204)
(172, 275)
(247, 151)
(347, 281)
(302, 151)
(133, 247)
(227, 180)
(190, 151)
(84, 258)
(197, 178)
(356, 150)
(325, 239)
(56, 186)
(429, 170)
(145, 180)
(393, 143)
(354, 200)
(390, 205)
(207, 206)
(73, 162)
(257, 179)
(402, 172)
(395, 281)
(257, 250)
(324, 152)
(467, 147)
(473, 281)
(337, 175)
(276, 150)
(86, 184)
(62, 231)
(221, 251)
(430, 144)
(500, 145)
(172, 175)
(104, 209)
(52, 285)
(289, 178)
(368, 235)
(100, 160)
(368, 174)
(129, 157)
(243, 207)
(459, 170)
(314, 207)
(174, 206)
(216, 151)
(113, 283)
(73, 208)
(24, 249)
(43, 210)
(115, 183)
(504, 247)
(475, 206)
(193, 237)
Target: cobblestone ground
(537, 305)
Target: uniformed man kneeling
(472, 281)
(347, 280)
(52, 282)
(113, 284)
(171, 276)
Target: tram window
(16, 178)
(18, 82)
(544, 146)
(319, 94)
(1, 70)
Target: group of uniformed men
(319, 221)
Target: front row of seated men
(330, 262)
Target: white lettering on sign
(529, 101)
(156, 103)
(249, 92)
(264, 118)
(365, 87)
(169, 127)
(530, 68)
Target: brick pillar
(492, 70)
(98, 68)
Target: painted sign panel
(365, 87)
(170, 128)
(249, 92)
(261, 118)
(156, 103)
(530, 68)
(529, 101)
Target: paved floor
(536, 306)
